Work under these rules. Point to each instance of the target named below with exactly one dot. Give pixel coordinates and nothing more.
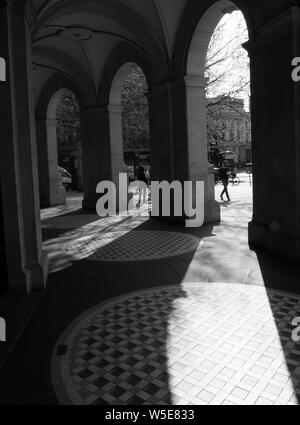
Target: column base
(31, 278)
(54, 200)
(212, 214)
(90, 201)
(278, 243)
(59, 198)
(37, 274)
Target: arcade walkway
(143, 312)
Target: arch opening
(69, 143)
(59, 148)
(129, 121)
(218, 101)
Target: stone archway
(196, 108)
(115, 110)
(52, 191)
(102, 122)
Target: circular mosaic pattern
(131, 246)
(190, 344)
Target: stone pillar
(197, 128)
(116, 142)
(3, 264)
(179, 137)
(161, 132)
(26, 261)
(52, 192)
(275, 113)
(198, 166)
(96, 153)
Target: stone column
(179, 137)
(116, 142)
(161, 132)
(275, 112)
(96, 165)
(52, 192)
(26, 261)
(198, 166)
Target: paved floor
(188, 344)
(80, 287)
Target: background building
(229, 127)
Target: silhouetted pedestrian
(224, 173)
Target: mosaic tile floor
(131, 246)
(189, 344)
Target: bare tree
(68, 119)
(135, 110)
(228, 77)
(227, 64)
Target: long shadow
(56, 226)
(81, 286)
(280, 274)
(133, 350)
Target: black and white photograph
(150, 206)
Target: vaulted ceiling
(76, 37)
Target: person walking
(148, 177)
(224, 173)
(142, 185)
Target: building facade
(229, 128)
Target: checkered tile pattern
(131, 246)
(189, 344)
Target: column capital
(273, 30)
(94, 110)
(115, 109)
(185, 81)
(195, 81)
(50, 122)
(159, 89)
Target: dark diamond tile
(152, 389)
(100, 402)
(117, 371)
(102, 363)
(136, 401)
(118, 391)
(101, 382)
(148, 369)
(85, 374)
(133, 380)
(88, 356)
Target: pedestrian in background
(142, 185)
(224, 173)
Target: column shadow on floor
(70, 292)
(283, 275)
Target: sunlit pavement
(222, 253)
(202, 328)
(189, 344)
